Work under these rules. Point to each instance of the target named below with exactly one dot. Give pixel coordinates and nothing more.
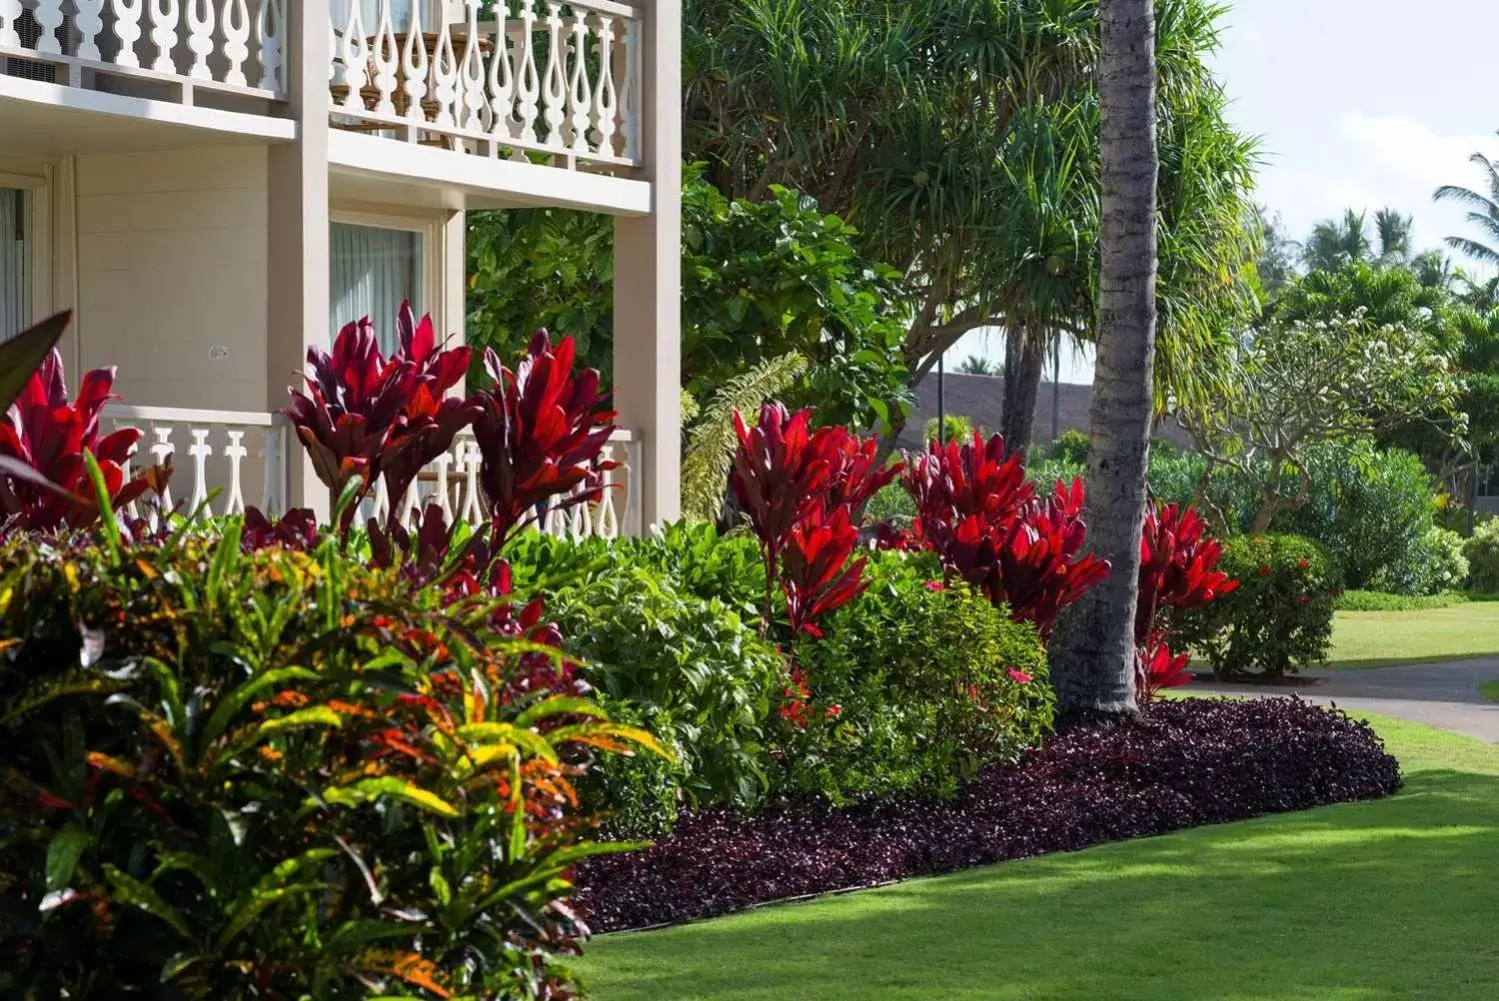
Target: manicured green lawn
(1375, 639)
(1359, 902)
(1489, 690)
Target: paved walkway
(1441, 695)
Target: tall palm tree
(1093, 660)
(1393, 231)
(1336, 242)
(1483, 212)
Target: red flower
(1303, 564)
(935, 585)
(1305, 599)
(1019, 677)
(832, 711)
(1264, 571)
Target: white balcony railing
(499, 78)
(224, 461)
(233, 46)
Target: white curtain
(15, 261)
(371, 272)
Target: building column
(648, 280)
(297, 317)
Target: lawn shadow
(1368, 901)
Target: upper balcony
(451, 103)
(127, 75)
(479, 93)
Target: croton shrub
(280, 774)
(1280, 617)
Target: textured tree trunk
(1093, 652)
(1024, 366)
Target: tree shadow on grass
(1358, 902)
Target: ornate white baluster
(270, 494)
(236, 22)
(161, 450)
(527, 80)
(164, 17)
(605, 97)
(127, 28)
(580, 89)
(607, 523)
(48, 14)
(89, 20)
(556, 78)
(472, 74)
(200, 25)
(629, 100)
(235, 452)
(381, 506)
(200, 450)
(355, 52)
(10, 13)
(501, 78)
(440, 468)
(414, 64)
(268, 21)
(387, 60)
(445, 77)
(473, 504)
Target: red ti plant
(1178, 571)
(976, 511)
(45, 432)
(296, 530)
(801, 489)
(369, 416)
(816, 574)
(541, 431)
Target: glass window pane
(15, 261)
(372, 271)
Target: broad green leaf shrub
(1482, 551)
(1434, 564)
(281, 775)
(692, 670)
(1279, 618)
(918, 685)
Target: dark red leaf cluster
(1181, 764)
(296, 530)
(802, 490)
(977, 512)
(374, 417)
(541, 431)
(46, 432)
(1178, 571)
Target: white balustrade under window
(234, 46)
(501, 78)
(225, 461)
(222, 460)
(452, 482)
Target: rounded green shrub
(1279, 619)
(1482, 552)
(915, 684)
(691, 670)
(1435, 563)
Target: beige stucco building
(214, 185)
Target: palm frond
(710, 443)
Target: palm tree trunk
(1093, 653)
(1024, 365)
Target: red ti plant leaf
(541, 430)
(976, 511)
(816, 574)
(1157, 668)
(296, 530)
(48, 435)
(374, 417)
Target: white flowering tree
(1305, 384)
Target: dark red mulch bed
(1183, 764)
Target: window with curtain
(15, 261)
(372, 271)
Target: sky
(1357, 103)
